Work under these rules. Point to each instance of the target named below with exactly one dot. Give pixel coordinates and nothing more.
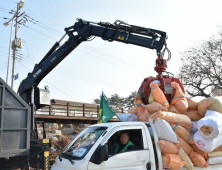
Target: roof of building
(72, 103)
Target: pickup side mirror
(102, 154)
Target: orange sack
(142, 113)
(173, 109)
(179, 95)
(183, 144)
(211, 103)
(170, 117)
(192, 105)
(168, 147)
(155, 107)
(183, 133)
(158, 95)
(193, 115)
(181, 106)
(172, 161)
(198, 160)
(202, 153)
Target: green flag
(105, 112)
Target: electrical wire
(86, 77)
(53, 85)
(40, 32)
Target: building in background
(70, 108)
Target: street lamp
(6, 24)
(21, 4)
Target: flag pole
(111, 106)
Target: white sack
(214, 119)
(164, 131)
(128, 117)
(194, 129)
(207, 145)
(215, 160)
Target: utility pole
(9, 55)
(14, 50)
(17, 43)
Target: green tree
(129, 101)
(118, 101)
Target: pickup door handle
(148, 166)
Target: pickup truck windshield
(83, 143)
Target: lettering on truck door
(119, 157)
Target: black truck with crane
(20, 146)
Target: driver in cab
(125, 143)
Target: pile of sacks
(190, 132)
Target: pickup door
(133, 160)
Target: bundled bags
(178, 119)
(179, 100)
(202, 153)
(172, 161)
(193, 115)
(198, 160)
(164, 131)
(128, 117)
(215, 160)
(207, 145)
(192, 104)
(185, 158)
(183, 144)
(210, 126)
(167, 147)
(173, 109)
(215, 154)
(158, 94)
(141, 112)
(155, 107)
(181, 106)
(183, 133)
(212, 103)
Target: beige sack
(215, 154)
(192, 105)
(155, 107)
(170, 117)
(183, 155)
(181, 106)
(211, 103)
(173, 109)
(193, 115)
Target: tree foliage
(201, 70)
(118, 101)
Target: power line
(40, 32)
(53, 85)
(87, 78)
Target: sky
(98, 65)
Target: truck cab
(99, 154)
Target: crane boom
(82, 31)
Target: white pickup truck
(93, 149)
